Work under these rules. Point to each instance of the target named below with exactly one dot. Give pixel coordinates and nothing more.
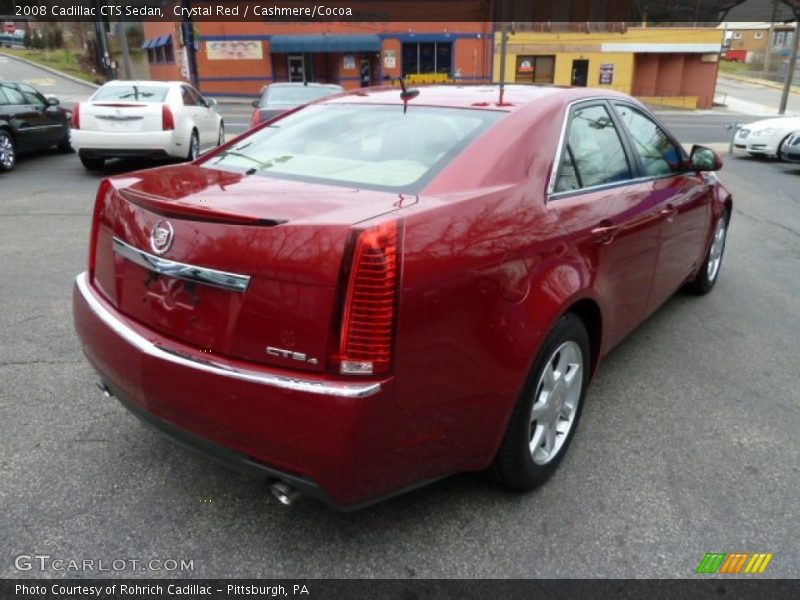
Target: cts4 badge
(161, 237)
(290, 355)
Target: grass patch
(62, 60)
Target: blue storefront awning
(157, 42)
(325, 43)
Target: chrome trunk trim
(323, 388)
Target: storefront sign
(389, 60)
(607, 74)
(234, 50)
(349, 62)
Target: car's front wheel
(8, 151)
(707, 276)
(221, 138)
(547, 412)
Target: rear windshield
(295, 96)
(370, 146)
(131, 93)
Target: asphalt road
(66, 90)
(750, 97)
(688, 443)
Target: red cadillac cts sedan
(373, 291)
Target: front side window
(659, 156)
(372, 146)
(593, 153)
(31, 95)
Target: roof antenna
(406, 94)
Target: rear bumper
(103, 144)
(313, 432)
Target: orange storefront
(238, 59)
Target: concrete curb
(762, 82)
(52, 70)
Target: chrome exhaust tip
(284, 493)
(104, 388)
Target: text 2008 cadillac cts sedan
(379, 290)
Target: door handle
(669, 213)
(605, 232)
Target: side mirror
(704, 159)
(210, 102)
(256, 103)
(53, 101)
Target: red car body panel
(488, 266)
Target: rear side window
(658, 154)
(372, 146)
(13, 95)
(593, 153)
(131, 93)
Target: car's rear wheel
(92, 164)
(194, 147)
(548, 410)
(8, 151)
(707, 276)
(64, 145)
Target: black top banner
(653, 12)
(448, 589)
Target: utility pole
(126, 53)
(503, 46)
(787, 84)
(187, 28)
(102, 41)
(768, 47)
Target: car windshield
(133, 92)
(370, 146)
(287, 95)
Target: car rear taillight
(370, 304)
(167, 120)
(256, 118)
(103, 192)
(75, 121)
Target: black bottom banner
(299, 589)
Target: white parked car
(154, 119)
(766, 137)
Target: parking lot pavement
(688, 442)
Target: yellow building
(663, 65)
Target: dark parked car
(29, 121)
(277, 98)
(362, 296)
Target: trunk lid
(289, 238)
(121, 117)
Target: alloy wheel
(555, 404)
(7, 154)
(717, 247)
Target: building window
(163, 54)
(780, 38)
(427, 57)
(535, 69)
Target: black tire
(92, 164)
(221, 138)
(8, 151)
(514, 463)
(779, 151)
(194, 146)
(706, 277)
